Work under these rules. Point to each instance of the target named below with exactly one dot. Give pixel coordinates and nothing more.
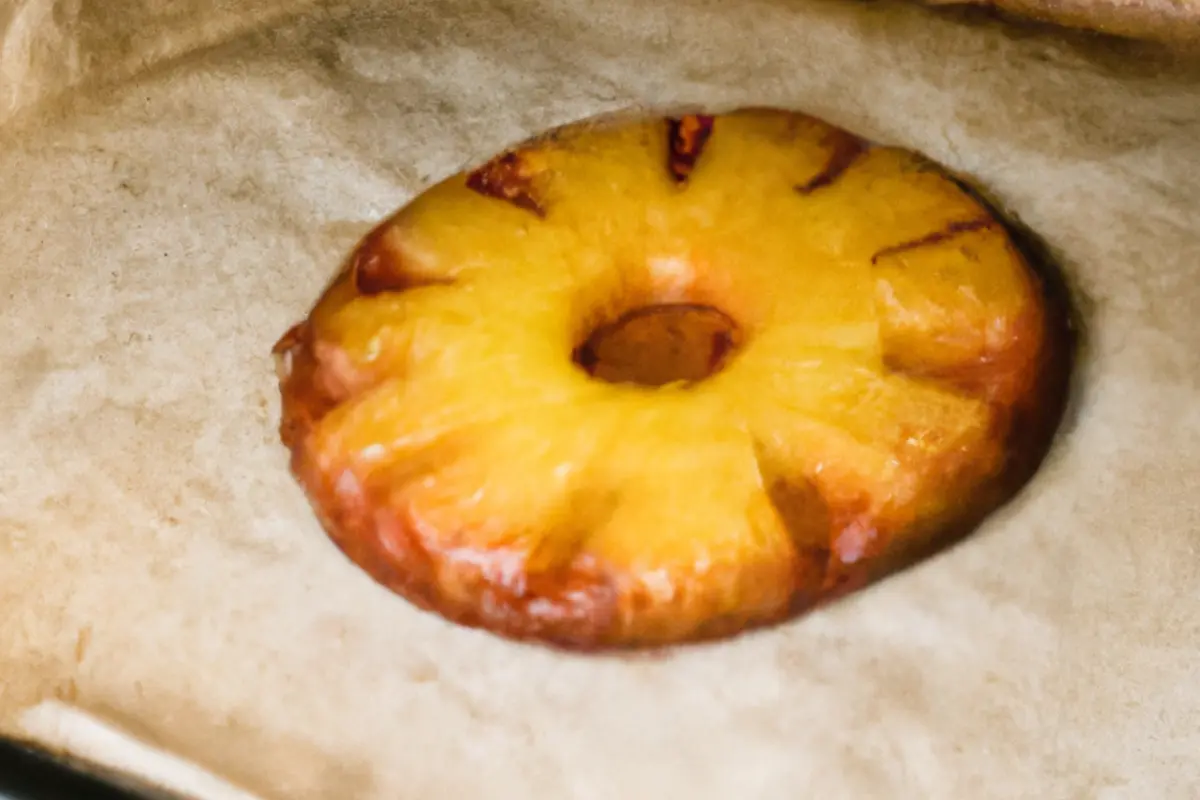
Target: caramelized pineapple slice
(647, 381)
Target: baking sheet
(159, 569)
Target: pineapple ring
(855, 365)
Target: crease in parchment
(50, 47)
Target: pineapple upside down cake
(642, 381)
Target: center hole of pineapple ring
(656, 345)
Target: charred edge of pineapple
(507, 177)
(376, 269)
(687, 136)
(576, 613)
(292, 359)
(845, 149)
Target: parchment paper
(1174, 21)
(160, 570)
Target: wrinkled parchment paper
(1175, 21)
(196, 172)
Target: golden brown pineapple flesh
(656, 380)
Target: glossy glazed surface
(889, 372)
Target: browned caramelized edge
(844, 150)
(508, 177)
(575, 608)
(1034, 421)
(687, 136)
(376, 269)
